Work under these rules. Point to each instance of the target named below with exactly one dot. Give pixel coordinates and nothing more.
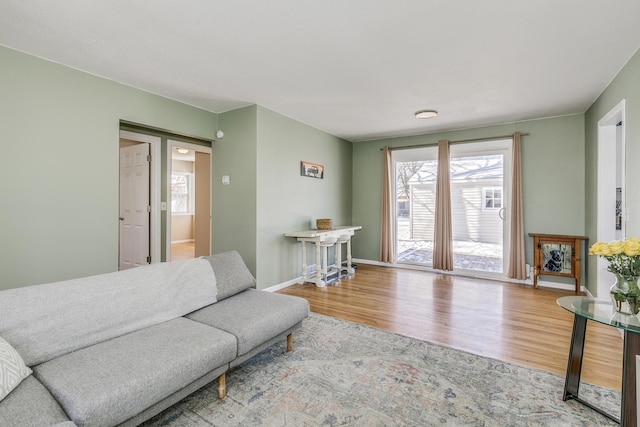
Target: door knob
(121, 218)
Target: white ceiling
(357, 69)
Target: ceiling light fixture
(426, 114)
(182, 150)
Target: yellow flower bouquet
(624, 262)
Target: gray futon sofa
(118, 348)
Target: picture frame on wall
(618, 208)
(312, 170)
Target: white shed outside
(476, 200)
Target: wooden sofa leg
(222, 386)
(290, 342)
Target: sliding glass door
(479, 205)
(415, 176)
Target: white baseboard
(311, 272)
(469, 273)
(556, 285)
(283, 285)
(529, 281)
(183, 241)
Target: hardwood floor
(180, 251)
(510, 322)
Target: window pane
(180, 186)
(415, 208)
(476, 197)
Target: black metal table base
(574, 368)
(589, 405)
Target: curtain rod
(460, 141)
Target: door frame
(154, 190)
(608, 161)
(171, 143)
(489, 146)
(503, 146)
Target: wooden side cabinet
(557, 255)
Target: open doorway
(189, 196)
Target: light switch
(226, 180)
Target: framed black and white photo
(618, 208)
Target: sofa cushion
(31, 404)
(46, 321)
(12, 369)
(110, 382)
(254, 316)
(232, 275)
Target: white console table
(317, 237)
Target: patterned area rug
(344, 374)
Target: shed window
(492, 198)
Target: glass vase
(625, 295)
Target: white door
(134, 206)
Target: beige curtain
(517, 264)
(386, 221)
(443, 236)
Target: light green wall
(234, 205)
(59, 141)
(261, 152)
(552, 173)
(288, 201)
(60, 217)
(60, 149)
(626, 85)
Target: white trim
(195, 147)
(541, 283)
(284, 285)
(183, 241)
(556, 285)
(155, 146)
(606, 186)
(460, 273)
(529, 282)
